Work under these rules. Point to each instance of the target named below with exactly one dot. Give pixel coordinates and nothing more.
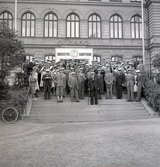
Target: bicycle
(9, 115)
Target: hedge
(151, 92)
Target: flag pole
(143, 49)
(15, 15)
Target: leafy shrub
(156, 61)
(17, 99)
(21, 80)
(152, 94)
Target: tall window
(115, 26)
(94, 22)
(28, 25)
(73, 26)
(136, 27)
(50, 25)
(7, 18)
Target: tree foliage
(11, 56)
(11, 49)
(156, 61)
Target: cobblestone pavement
(133, 143)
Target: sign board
(74, 53)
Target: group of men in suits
(95, 79)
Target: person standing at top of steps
(60, 80)
(47, 78)
(93, 88)
(119, 83)
(130, 85)
(74, 87)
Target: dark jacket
(93, 84)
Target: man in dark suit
(119, 83)
(93, 88)
(47, 84)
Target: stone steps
(67, 112)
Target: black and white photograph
(79, 83)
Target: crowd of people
(79, 79)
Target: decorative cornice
(72, 42)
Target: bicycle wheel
(9, 115)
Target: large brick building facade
(110, 28)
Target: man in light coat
(130, 85)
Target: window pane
(94, 17)
(111, 30)
(98, 30)
(55, 18)
(98, 19)
(116, 30)
(28, 16)
(72, 17)
(46, 18)
(69, 17)
(140, 30)
(90, 29)
(72, 29)
(68, 29)
(46, 29)
(90, 18)
(28, 28)
(50, 28)
(120, 30)
(77, 29)
(94, 30)
(137, 32)
(32, 28)
(23, 28)
(55, 29)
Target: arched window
(136, 27)
(28, 25)
(94, 30)
(7, 18)
(73, 25)
(116, 26)
(50, 25)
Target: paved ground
(108, 144)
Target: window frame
(26, 20)
(139, 27)
(97, 16)
(118, 29)
(53, 21)
(70, 28)
(7, 20)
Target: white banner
(74, 53)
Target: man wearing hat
(81, 80)
(74, 87)
(47, 78)
(140, 83)
(109, 81)
(130, 85)
(119, 83)
(93, 88)
(60, 81)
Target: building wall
(106, 47)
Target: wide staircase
(76, 112)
